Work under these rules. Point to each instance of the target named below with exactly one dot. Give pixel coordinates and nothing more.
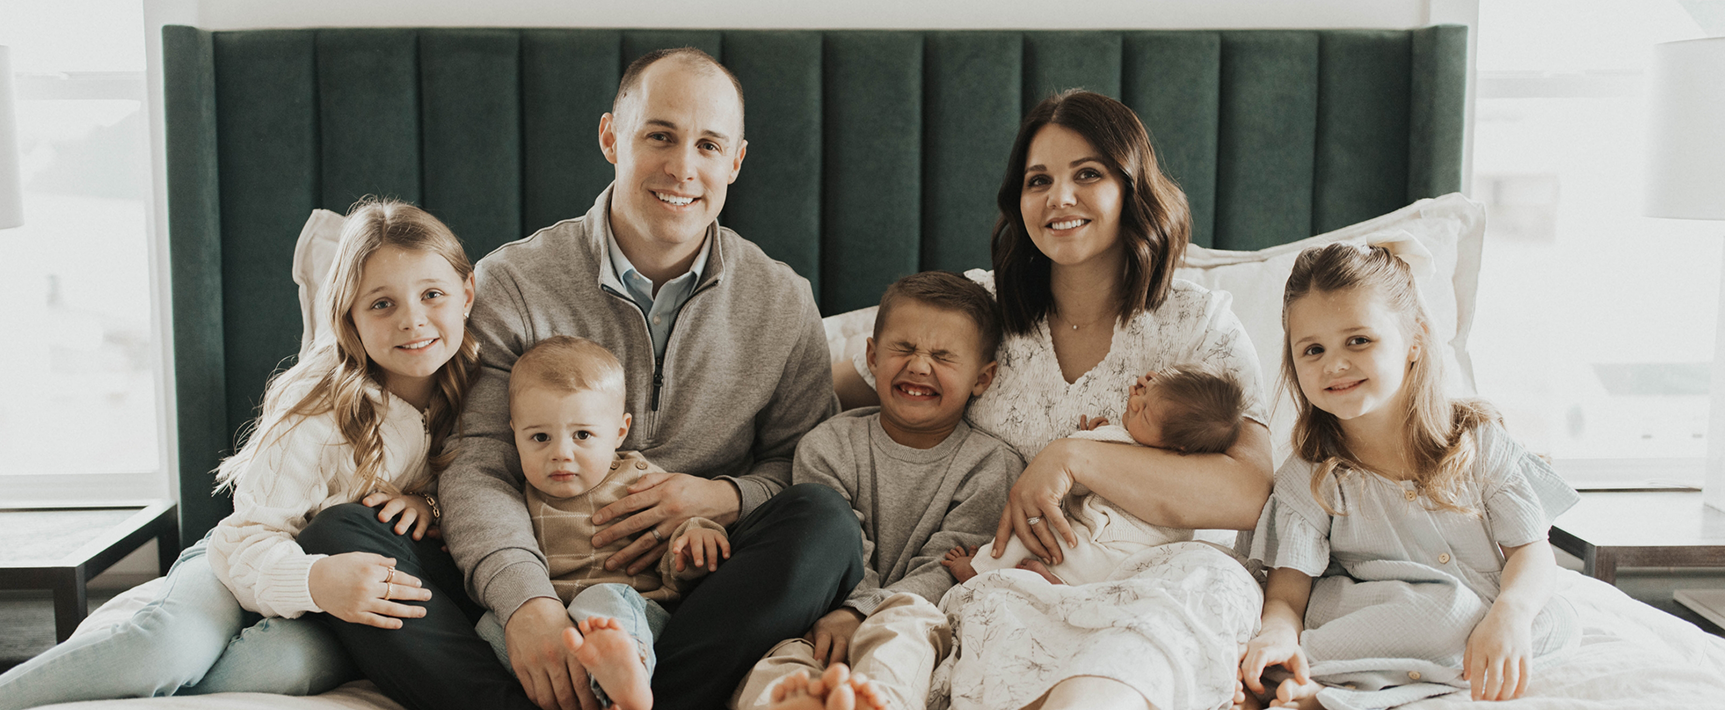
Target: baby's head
(566, 407)
(932, 350)
(1190, 408)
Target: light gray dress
(1399, 586)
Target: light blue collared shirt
(661, 312)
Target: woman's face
(1071, 200)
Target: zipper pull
(658, 379)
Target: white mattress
(1632, 657)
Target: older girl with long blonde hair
(1406, 536)
(359, 417)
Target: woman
(1084, 254)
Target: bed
(872, 155)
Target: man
(728, 368)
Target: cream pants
(896, 647)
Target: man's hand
(548, 671)
(832, 634)
(661, 502)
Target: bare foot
(836, 689)
(1244, 699)
(1035, 565)
(613, 657)
(958, 560)
(1292, 694)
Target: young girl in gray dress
(1407, 533)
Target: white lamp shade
(11, 182)
(1686, 150)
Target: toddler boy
(1191, 409)
(919, 479)
(566, 407)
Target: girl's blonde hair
(336, 376)
(1438, 436)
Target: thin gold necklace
(1075, 326)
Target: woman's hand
(832, 634)
(1278, 646)
(1499, 655)
(661, 502)
(415, 512)
(362, 588)
(1036, 498)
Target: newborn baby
(1190, 409)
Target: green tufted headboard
(871, 154)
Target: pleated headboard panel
(871, 154)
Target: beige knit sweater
(564, 528)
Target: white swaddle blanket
(1106, 534)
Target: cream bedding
(1632, 657)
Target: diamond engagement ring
(389, 575)
(1033, 520)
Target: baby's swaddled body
(1106, 534)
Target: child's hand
(1499, 653)
(832, 634)
(1273, 647)
(415, 512)
(363, 588)
(700, 547)
(1086, 424)
(957, 561)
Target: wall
(742, 14)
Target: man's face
(677, 143)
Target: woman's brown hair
(1155, 223)
(1438, 434)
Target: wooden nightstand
(61, 546)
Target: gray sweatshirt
(745, 374)
(914, 504)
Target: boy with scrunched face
(919, 480)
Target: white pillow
(1442, 237)
(312, 255)
(1449, 232)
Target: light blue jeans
(641, 618)
(193, 638)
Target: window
(1595, 328)
(82, 368)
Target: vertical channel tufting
(266, 130)
(970, 116)
(871, 207)
(469, 88)
(1267, 127)
(568, 78)
(1362, 127)
(1057, 61)
(194, 234)
(368, 114)
(639, 42)
(776, 200)
(1438, 117)
(1173, 81)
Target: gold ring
(389, 575)
(388, 589)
